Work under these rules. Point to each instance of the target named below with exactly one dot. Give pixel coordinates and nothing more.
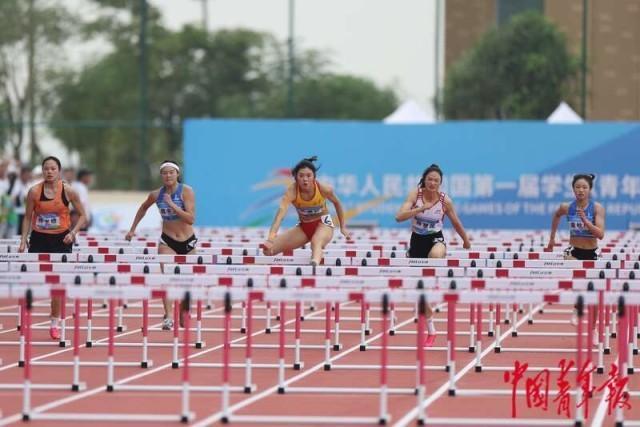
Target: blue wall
(499, 174)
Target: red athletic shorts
(309, 228)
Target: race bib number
(326, 220)
(49, 221)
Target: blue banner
(499, 174)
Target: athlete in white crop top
(426, 206)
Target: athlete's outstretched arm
(282, 211)
(328, 192)
(596, 229)
(142, 210)
(562, 210)
(450, 211)
(406, 212)
(26, 222)
(187, 214)
(82, 215)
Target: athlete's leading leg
(167, 322)
(293, 238)
(320, 239)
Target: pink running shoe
(430, 340)
(54, 333)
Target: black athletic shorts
(420, 245)
(180, 248)
(49, 243)
(582, 254)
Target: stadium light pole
(583, 89)
(290, 104)
(142, 169)
(437, 58)
(205, 15)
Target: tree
(31, 34)
(520, 71)
(230, 73)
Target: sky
(389, 41)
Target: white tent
(564, 114)
(409, 112)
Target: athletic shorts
(582, 254)
(309, 228)
(180, 248)
(49, 243)
(421, 244)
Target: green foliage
(51, 25)
(230, 73)
(520, 71)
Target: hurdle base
(447, 368)
(280, 390)
(224, 420)
(607, 351)
(478, 368)
(452, 392)
(613, 335)
(383, 421)
(184, 419)
(110, 388)
(298, 366)
(507, 321)
(497, 349)
(490, 333)
(26, 417)
(392, 332)
(267, 331)
(367, 332)
(619, 424)
(88, 344)
(327, 367)
(62, 344)
(175, 365)
(514, 334)
(243, 330)
(421, 421)
(121, 328)
(530, 321)
(21, 364)
(472, 349)
(635, 351)
(363, 347)
(630, 371)
(302, 318)
(200, 344)
(578, 424)
(337, 347)
(600, 370)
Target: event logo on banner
(499, 174)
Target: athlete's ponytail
(589, 177)
(308, 162)
(432, 168)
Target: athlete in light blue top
(176, 203)
(585, 218)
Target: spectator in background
(82, 185)
(69, 175)
(19, 194)
(4, 180)
(5, 201)
(36, 175)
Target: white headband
(171, 164)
